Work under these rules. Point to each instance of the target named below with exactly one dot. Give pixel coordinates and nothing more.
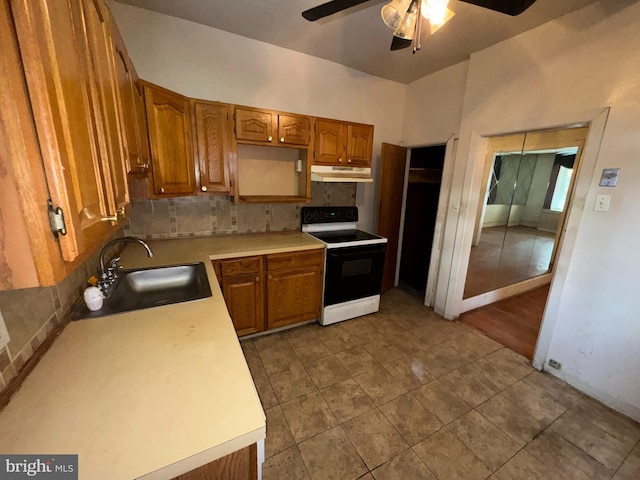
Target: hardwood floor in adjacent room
(514, 322)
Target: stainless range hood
(322, 173)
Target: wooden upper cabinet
(213, 145)
(268, 127)
(359, 145)
(254, 125)
(331, 140)
(342, 143)
(171, 141)
(106, 99)
(134, 123)
(68, 118)
(294, 129)
(129, 125)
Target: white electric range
(354, 262)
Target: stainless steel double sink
(153, 287)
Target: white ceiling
(357, 37)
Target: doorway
(408, 202)
(420, 212)
(528, 181)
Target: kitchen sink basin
(154, 287)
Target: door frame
(463, 196)
(438, 235)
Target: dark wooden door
(391, 185)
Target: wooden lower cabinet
(241, 284)
(240, 465)
(294, 288)
(271, 291)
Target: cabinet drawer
(278, 261)
(240, 266)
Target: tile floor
(404, 395)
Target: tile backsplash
(217, 215)
(31, 314)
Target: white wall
(434, 106)
(496, 215)
(568, 71)
(207, 63)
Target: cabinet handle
(161, 190)
(281, 139)
(112, 218)
(269, 138)
(203, 188)
(120, 211)
(258, 279)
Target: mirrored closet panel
(528, 180)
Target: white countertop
(150, 393)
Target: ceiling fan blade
(510, 7)
(399, 43)
(329, 8)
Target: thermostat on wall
(609, 177)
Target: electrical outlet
(4, 334)
(555, 364)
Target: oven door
(353, 273)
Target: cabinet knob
(339, 160)
(258, 279)
(349, 161)
(203, 188)
(161, 190)
(281, 139)
(269, 138)
(270, 277)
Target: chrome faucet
(109, 276)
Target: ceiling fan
(404, 17)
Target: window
(561, 190)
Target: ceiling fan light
(435, 10)
(406, 29)
(436, 26)
(393, 12)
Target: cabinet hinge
(56, 220)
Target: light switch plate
(609, 177)
(602, 203)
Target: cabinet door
(52, 48)
(331, 138)
(212, 145)
(244, 299)
(171, 142)
(294, 130)
(254, 125)
(293, 296)
(141, 121)
(106, 95)
(359, 145)
(127, 95)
